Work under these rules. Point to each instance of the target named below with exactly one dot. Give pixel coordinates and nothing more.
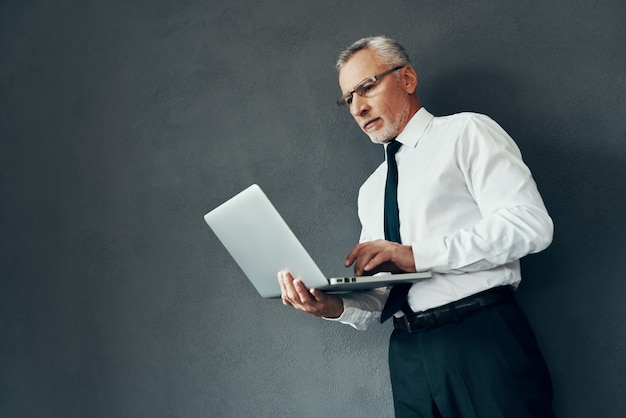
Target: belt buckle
(419, 321)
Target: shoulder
(456, 126)
(471, 126)
(464, 119)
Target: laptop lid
(262, 244)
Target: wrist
(403, 258)
(337, 308)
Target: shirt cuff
(347, 314)
(430, 254)
(356, 317)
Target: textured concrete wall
(122, 123)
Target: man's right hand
(312, 301)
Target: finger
(377, 260)
(363, 253)
(353, 255)
(283, 290)
(374, 255)
(318, 295)
(281, 279)
(364, 258)
(287, 281)
(287, 276)
(302, 292)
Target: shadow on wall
(583, 187)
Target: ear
(408, 79)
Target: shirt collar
(414, 130)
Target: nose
(359, 106)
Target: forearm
(505, 236)
(362, 309)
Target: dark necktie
(398, 293)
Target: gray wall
(122, 123)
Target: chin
(379, 140)
(382, 136)
(378, 137)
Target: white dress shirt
(469, 208)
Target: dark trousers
(485, 366)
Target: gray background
(123, 122)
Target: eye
(348, 100)
(366, 88)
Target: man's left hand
(381, 255)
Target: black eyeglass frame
(343, 100)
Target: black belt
(454, 311)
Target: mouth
(370, 124)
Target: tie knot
(393, 147)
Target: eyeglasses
(366, 88)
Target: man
(468, 210)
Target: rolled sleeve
(362, 309)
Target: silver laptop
(261, 243)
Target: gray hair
(388, 51)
